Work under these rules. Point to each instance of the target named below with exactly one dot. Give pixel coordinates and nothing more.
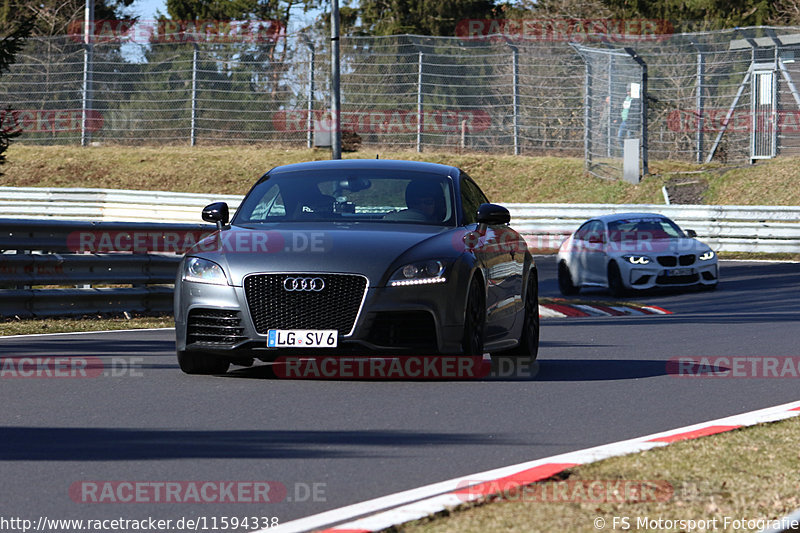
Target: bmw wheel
(474, 319)
(615, 284)
(565, 284)
(202, 363)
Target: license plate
(679, 272)
(302, 338)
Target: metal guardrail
(43, 273)
(107, 204)
(728, 228)
(757, 229)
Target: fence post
(88, 56)
(609, 99)
(336, 95)
(515, 56)
(310, 118)
(193, 132)
(420, 118)
(587, 114)
(699, 103)
(643, 103)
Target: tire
(529, 339)
(565, 284)
(202, 363)
(474, 319)
(615, 285)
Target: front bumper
(416, 319)
(653, 276)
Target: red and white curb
(558, 308)
(386, 511)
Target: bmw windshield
(651, 228)
(350, 196)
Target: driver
(425, 198)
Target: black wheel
(474, 319)
(565, 284)
(529, 340)
(615, 280)
(202, 363)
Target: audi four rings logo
(303, 284)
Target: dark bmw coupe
(354, 256)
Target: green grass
(28, 326)
(748, 473)
(505, 178)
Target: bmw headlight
(421, 273)
(203, 271)
(637, 259)
(707, 255)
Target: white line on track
(401, 507)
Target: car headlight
(421, 273)
(203, 271)
(708, 255)
(637, 259)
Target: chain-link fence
(721, 96)
(614, 96)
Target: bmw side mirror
(217, 213)
(691, 233)
(493, 214)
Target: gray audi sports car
(356, 256)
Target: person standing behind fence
(624, 130)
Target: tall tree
(421, 17)
(698, 14)
(10, 44)
(57, 17)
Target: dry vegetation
(505, 178)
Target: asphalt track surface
(599, 380)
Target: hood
(656, 247)
(356, 248)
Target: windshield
(350, 196)
(649, 227)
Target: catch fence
(726, 96)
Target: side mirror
(493, 214)
(217, 213)
(691, 233)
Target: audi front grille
(295, 301)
